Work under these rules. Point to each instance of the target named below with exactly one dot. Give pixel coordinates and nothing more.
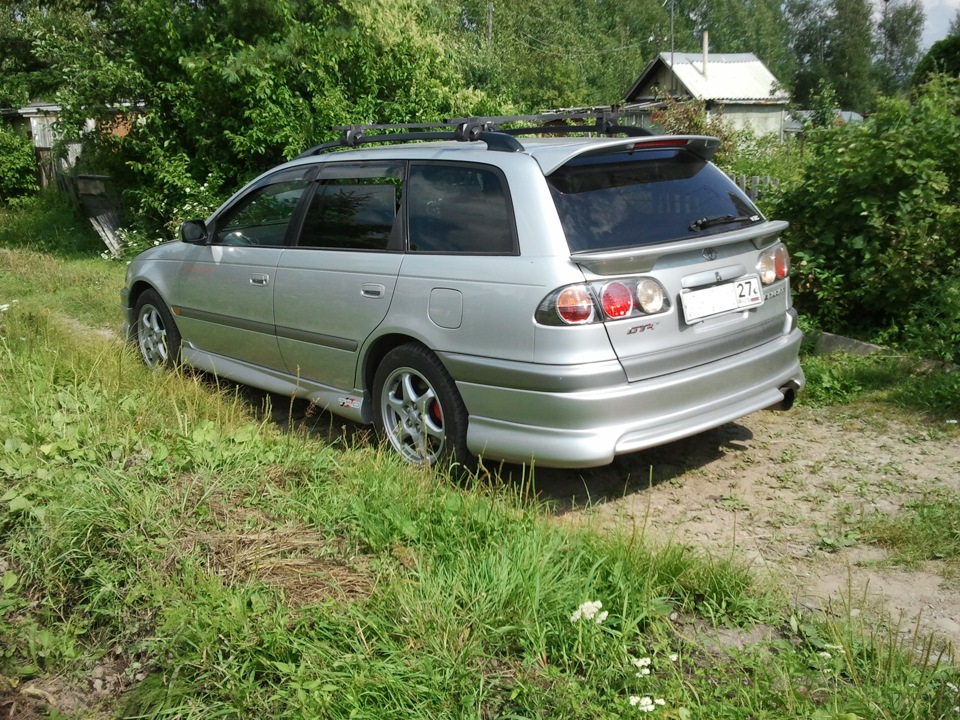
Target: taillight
(650, 296)
(616, 299)
(575, 306)
(601, 301)
(774, 264)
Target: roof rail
(481, 129)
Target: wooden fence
(754, 185)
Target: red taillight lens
(781, 262)
(616, 299)
(774, 264)
(575, 306)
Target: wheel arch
(378, 349)
(132, 298)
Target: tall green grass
(221, 568)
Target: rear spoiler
(642, 259)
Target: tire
(418, 409)
(156, 333)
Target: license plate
(743, 293)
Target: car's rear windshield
(645, 197)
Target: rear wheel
(157, 334)
(418, 409)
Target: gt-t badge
(641, 328)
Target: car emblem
(709, 254)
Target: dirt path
(787, 492)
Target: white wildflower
(641, 662)
(4, 307)
(601, 617)
(587, 611)
(674, 657)
(825, 655)
(953, 687)
(646, 703)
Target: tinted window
(459, 209)
(354, 208)
(263, 215)
(642, 198)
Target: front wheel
(157, 335)
(418, 409)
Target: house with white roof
(737, 85)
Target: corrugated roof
(730, 77)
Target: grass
(200, 563)
(927, 529)
(897, 381)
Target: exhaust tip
(789, 395)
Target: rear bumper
(590, 426)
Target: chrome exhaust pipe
(789, 395)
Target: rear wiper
(706, 222)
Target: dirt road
(789, 493)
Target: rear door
(336, 284)
(672, 216)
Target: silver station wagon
(589, 291)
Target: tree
(850, 54)
(211, 93)
(809, 38)
(900, 29)
(833, 41)
(954, 28)
(943, 57)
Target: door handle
(372, 290)
(259, 279)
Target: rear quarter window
(460, 209)
(628, 199)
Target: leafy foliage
(875, 216)
(211, 94)
(942, 57)
(18, 168)
(900, 29)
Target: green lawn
(162, 545)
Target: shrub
(875, 216)
(18, 168)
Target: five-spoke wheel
(417, 407)
(157, 334)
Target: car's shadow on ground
(561, 490)
(566, 490)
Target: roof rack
(481, 129)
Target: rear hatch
(661, 210)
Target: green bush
(18, 168)
(875, 216)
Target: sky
(939, 14)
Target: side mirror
(193, 231)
